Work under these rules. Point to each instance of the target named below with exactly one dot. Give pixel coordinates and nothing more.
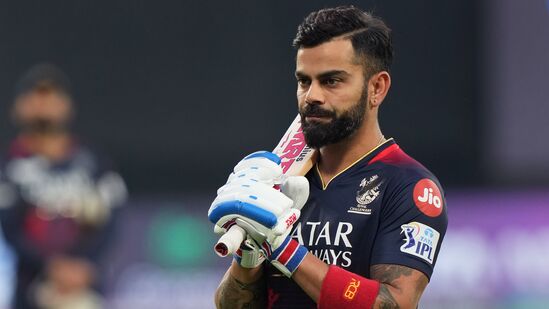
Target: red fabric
(344, 290)
(387, 151)
(394, 155)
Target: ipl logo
(408, 230)
(421, 240)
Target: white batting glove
(279, 248)
(267, 214)
(263, 167)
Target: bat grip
(230, 241)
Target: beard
(319, 134)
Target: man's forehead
(336, 54)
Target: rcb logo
(369, 190)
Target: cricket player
(364, 227)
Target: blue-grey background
(177, 91)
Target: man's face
(331, 92)
(42, 111)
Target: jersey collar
(364, 160)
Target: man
(371, 229)
(60, 210)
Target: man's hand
(252, 200)
(259, 166)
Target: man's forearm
(399, 286)
(309, 276)
(241, 288)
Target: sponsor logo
(368, 192)
(420, 240)
(291, 220)
(351, 290)
(328, 241)
(428, 198)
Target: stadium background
(177, 92)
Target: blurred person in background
(59, 198)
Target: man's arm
(241, 288)
(400, 286)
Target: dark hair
(43, 77)
(370, 37)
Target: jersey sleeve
(412, 224)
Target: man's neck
(335, 158)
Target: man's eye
(331, 81)
(303, 82)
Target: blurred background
(176, 92)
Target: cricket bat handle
(230, 241)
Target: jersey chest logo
(368, 192)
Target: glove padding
(261, 166)
(266, 213)
(249, 193)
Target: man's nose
(315, 95)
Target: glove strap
(287, 257)
(248, 255)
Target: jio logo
(428, 198)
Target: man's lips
(318, 118)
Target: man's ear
(378, 86)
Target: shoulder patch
(420, 240)
(428, 198)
